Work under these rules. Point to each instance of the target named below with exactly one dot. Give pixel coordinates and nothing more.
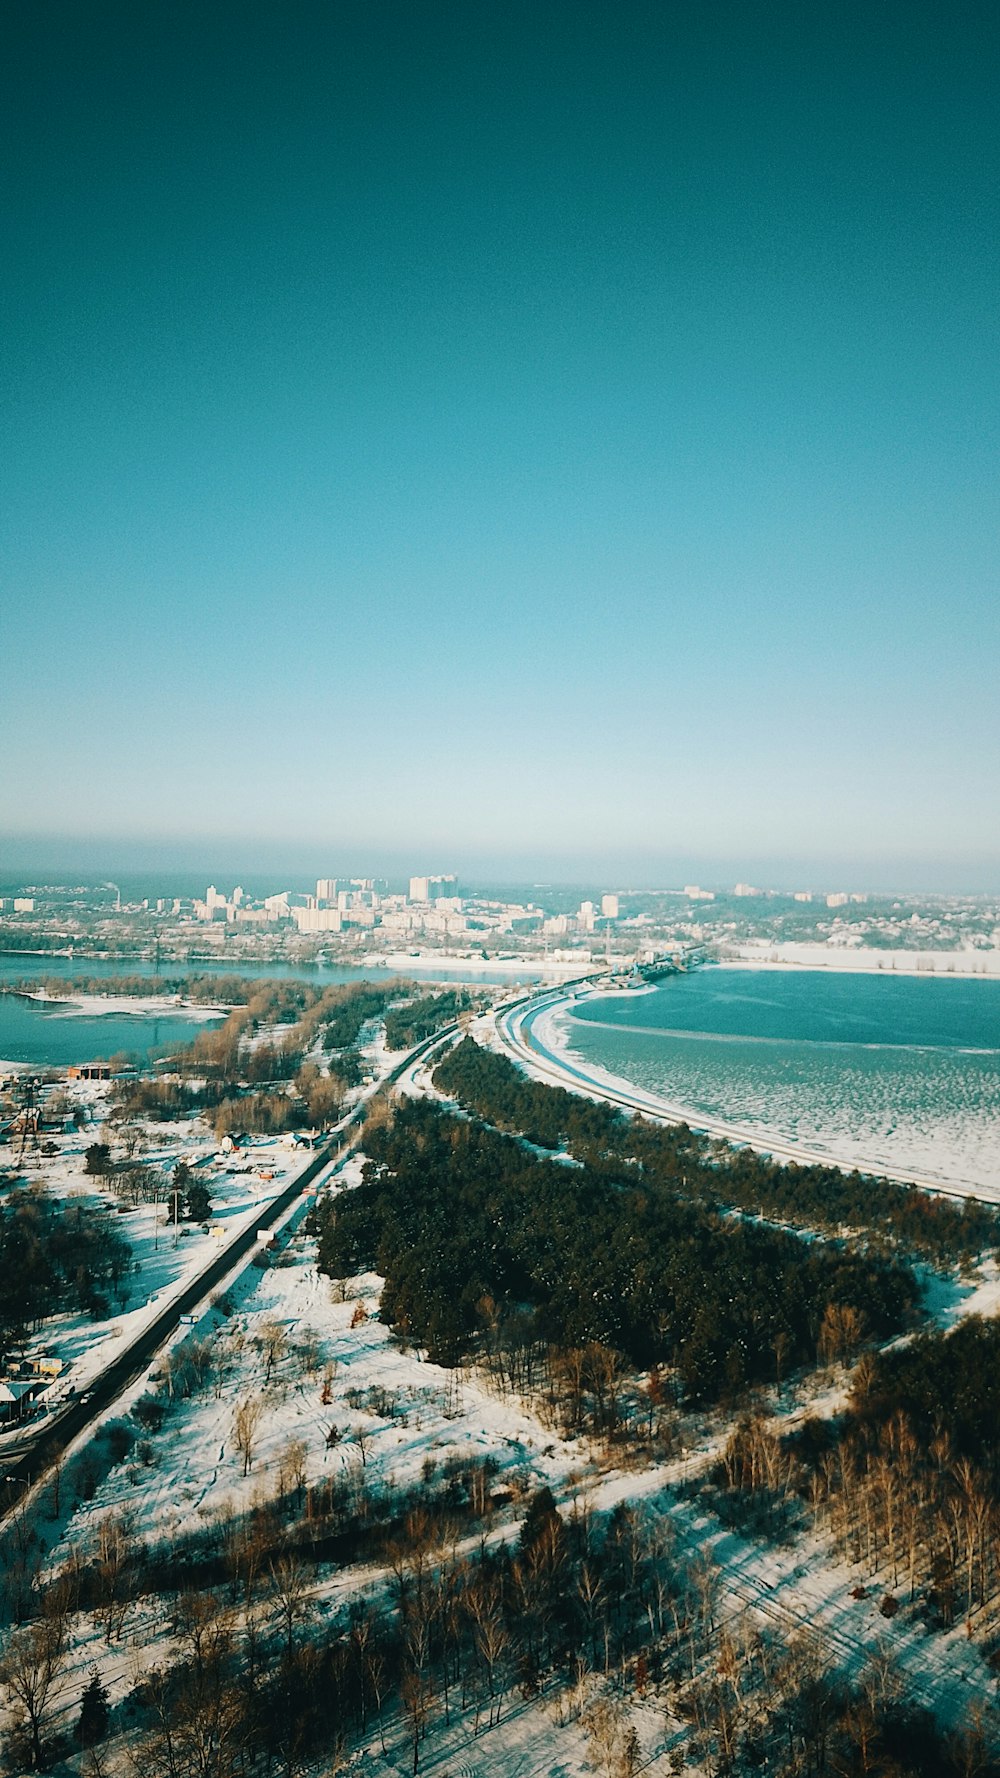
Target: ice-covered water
(900, 1075)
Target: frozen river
(893, 1074)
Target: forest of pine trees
(824, 1198)
(453, 1214)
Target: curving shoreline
(535, 1034)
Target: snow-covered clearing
(531, 966)
(399, 1420)
(412, 1413)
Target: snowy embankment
(459, 963)
(860, 959)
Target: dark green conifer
(92, 1724)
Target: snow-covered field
(166, 1258)
(458, 964)
(340, 1396)
(399, 1419)
(89, 1006)
(413, 1412)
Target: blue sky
(557, 431)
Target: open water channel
(56, 1036)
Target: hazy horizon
(56, 859)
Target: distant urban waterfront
(897, 1074)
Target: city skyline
(554, 441)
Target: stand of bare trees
(30, 1670)
(906, 1510)
(915, 1517)
(260, 1679)
(589, 1389)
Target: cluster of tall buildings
(433, 888)
(432, 907)
(584, 920)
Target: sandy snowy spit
(92, 1006)
(406, 962)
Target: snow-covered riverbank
(861, 959)
(457, 965)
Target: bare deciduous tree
(841, 1332)
(273, 1343)
(490, 1635)
(310, 1351)
(292, 1469)
(290, 1585)
(201, 1725)
(613, 1741)
(30, 1668)
(246, 1424)
(115, 1542)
